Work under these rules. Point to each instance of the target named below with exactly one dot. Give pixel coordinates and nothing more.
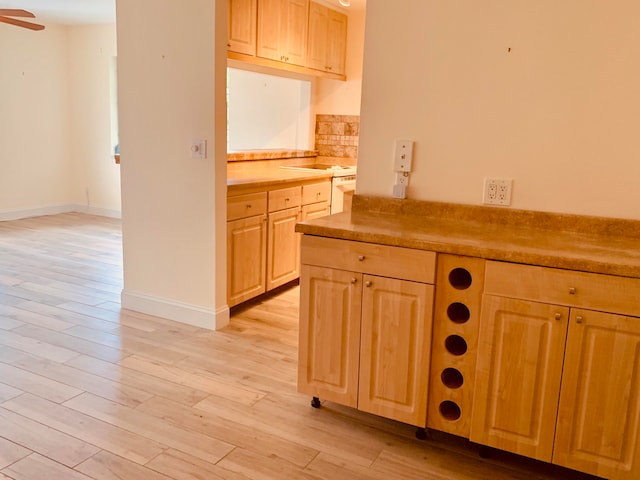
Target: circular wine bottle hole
(458, 312)
(460, 278)
(452, 378)
(455, 345)
(450, 410)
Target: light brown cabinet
(548, 368)
(365, 326)
(283, 244)
(282, 30)
(242, 26)
(327, 39)
(246, 246)
(263, 248)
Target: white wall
(173, 235)
(54, 121)
(34, 128)
(558, 112)
(96, 177)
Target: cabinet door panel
(598, 416)
(395, 349)
(269, 21)
(519, 368)
(330, 306)
(283, 248)
(246, 260)
(242, 26)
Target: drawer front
(607, 293)
(243, 206)
(284, 198)
(316, 192)
(382, 260)
(315, 210)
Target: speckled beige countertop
(589, 244)
(268, 154)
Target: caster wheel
(422, 434)
(315, 402)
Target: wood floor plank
(149, 383)
(7, 392)
(69, 342)
(35, 384)
(106, 466)
(38, 467)
(258, 467)
(73, 318)
(58, 446)
(180, 465)
(247, 437)
(11, 452)
(122, 394)
(204, 382)
(116, 440)
(147, 426)
(36, 347)
(32, 318)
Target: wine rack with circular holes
(459, 285)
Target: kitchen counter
(574, 242)
(268, 154)
(267, 176)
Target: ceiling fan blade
(20, 23)
(14, 12)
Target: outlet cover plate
(497, 191)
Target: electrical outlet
(497, 191)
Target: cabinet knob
(368, 283)
(354, 280)
(287, 199)
(361, 258)
(248, 205)
(579, 319)
(572, 291)
(558, 316)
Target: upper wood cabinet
(282, 30)
(242, 26)
(327, 39)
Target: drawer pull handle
(572, 291)
(361, 258)
(579, 319)
(249, 205)
(368, 283)
(354, 280)
(287, 199)
(558, 316)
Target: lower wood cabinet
(560, 383)
(263, 247)
(365, 338)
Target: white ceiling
(75, 12)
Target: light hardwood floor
(90, 391)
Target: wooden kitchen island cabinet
(365, 326)
(556, 381)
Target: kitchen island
(518, 330)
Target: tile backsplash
(337, 136)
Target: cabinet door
(327, 39)
(294, 28)
(395, 349)
(328, 353)
(283, 248)
(598, 417)
(246, 259)
(242, 26)
(269, 19)
(518, 371)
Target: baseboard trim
(176, 311)
(8, 215)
